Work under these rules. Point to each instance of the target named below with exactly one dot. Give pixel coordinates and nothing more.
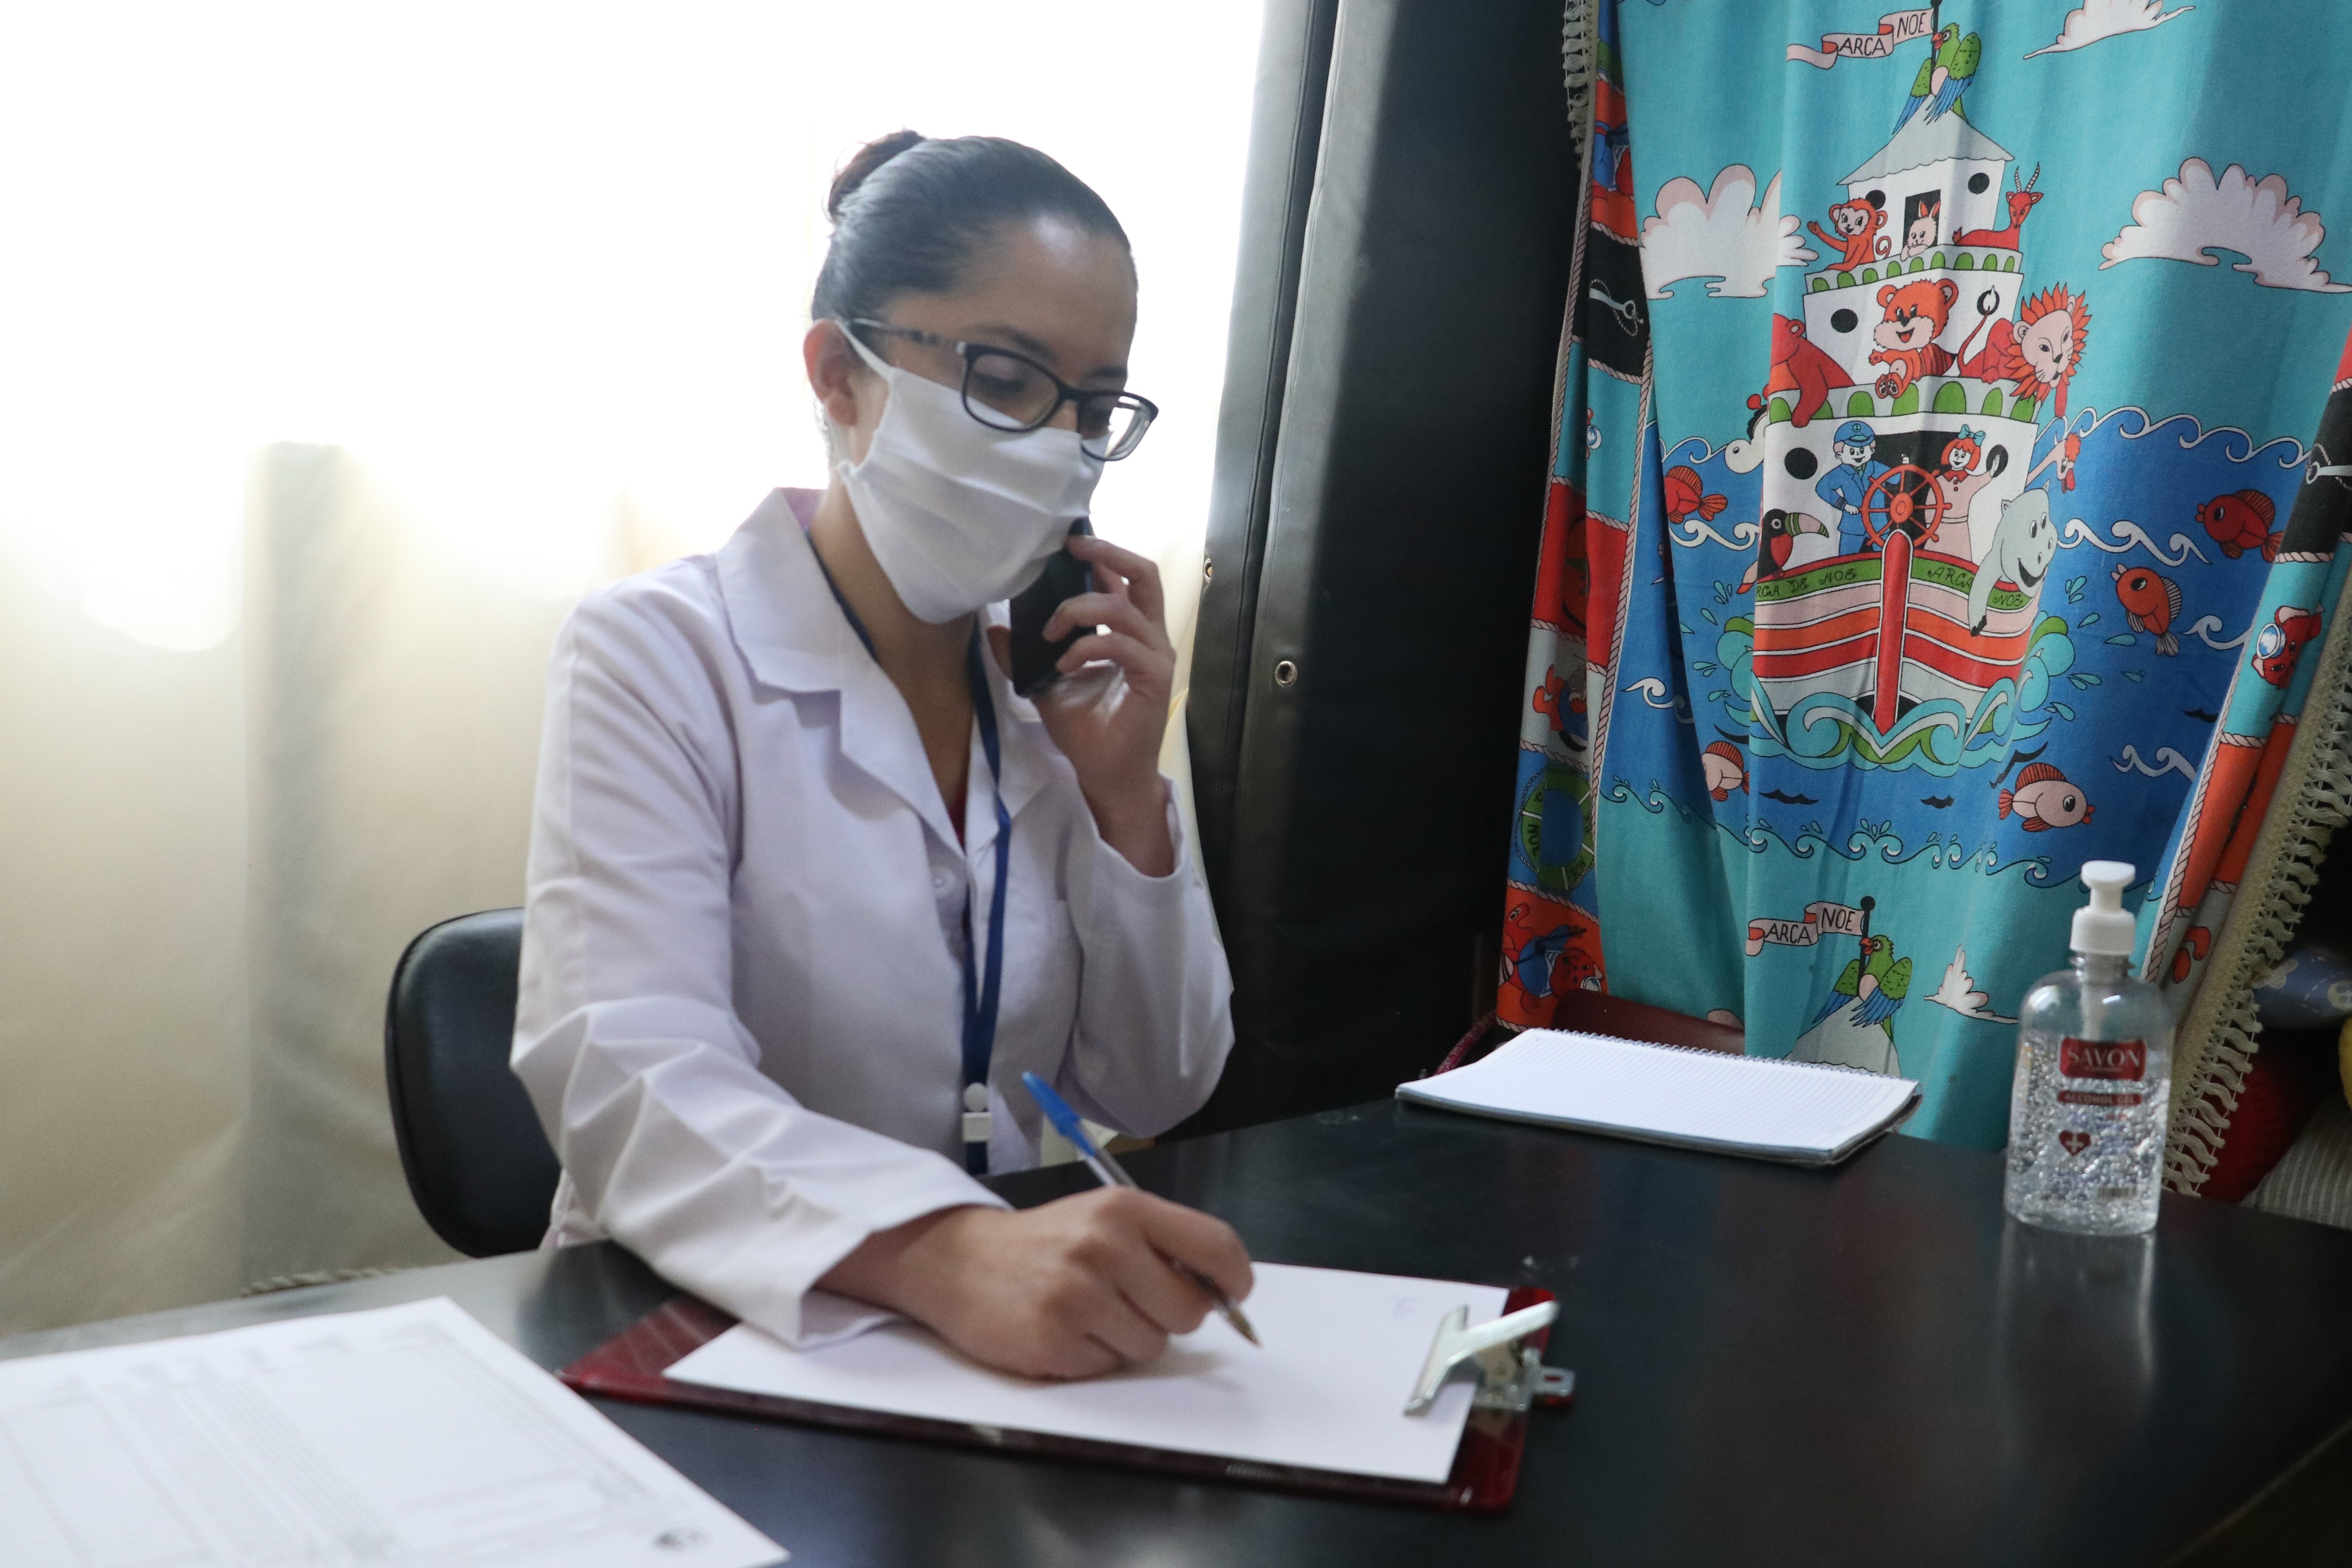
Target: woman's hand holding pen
(1070, 1289)
(1109, 711)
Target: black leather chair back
(479, 1166)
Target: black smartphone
(1064, 577)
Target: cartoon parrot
(1943, 75)
(1855, 1027)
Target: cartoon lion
(2047, 346)
(1857, 224)
(1905, 335)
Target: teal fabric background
(1678, 822)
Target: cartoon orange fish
(1726, 769)
(1687, 497)
(2044, 798)
(2241, 521)
(2151, 603)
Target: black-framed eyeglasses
(1009, 391)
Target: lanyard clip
(978, 1125)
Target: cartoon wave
(1877, 843)
(1744, 535)
(1653, 800)
(1829, 731)
(1692, 450)
(2206, 626)
(2292, 456)
(2129, 535)
(1654, 693)
(2168, 761)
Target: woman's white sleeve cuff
(1115, 874)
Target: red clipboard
(630, 1366)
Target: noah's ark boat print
(1877, 642)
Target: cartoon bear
(1857, 224)
(1905, 335)
(1801, 369)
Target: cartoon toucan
(1943, 75)
(1855, 1027)
(1781, 531)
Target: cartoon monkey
(1857, 224)
(1905, 335)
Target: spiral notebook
(1806, 1114)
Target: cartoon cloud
(1723, 235)
(2095, 19)
(2196, 214)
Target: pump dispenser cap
(2103, 926)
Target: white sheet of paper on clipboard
(1326, 1391)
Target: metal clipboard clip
(1511, 1376)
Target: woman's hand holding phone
(1110, 710)
(1070, 1289)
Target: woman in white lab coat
(810, 887)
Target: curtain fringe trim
(2311, 802)
(1575, 54)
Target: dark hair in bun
(909, 211)
(864, 162)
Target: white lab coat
(741, 1003)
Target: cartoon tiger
(1905, 335)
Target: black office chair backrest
(479, 1166)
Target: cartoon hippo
(2024, 542)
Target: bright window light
(543, 268)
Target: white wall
(529, 282)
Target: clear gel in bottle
(2087, 1112)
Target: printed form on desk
(408, 1435)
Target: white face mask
(960, 515)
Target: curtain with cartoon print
(1936, 506)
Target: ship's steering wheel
(1907, 496)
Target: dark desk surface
(1773, 1365)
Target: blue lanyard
(981, 997)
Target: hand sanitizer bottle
(2087, 1112)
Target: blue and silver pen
(1106, 1171)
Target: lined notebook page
(1705, 1098)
